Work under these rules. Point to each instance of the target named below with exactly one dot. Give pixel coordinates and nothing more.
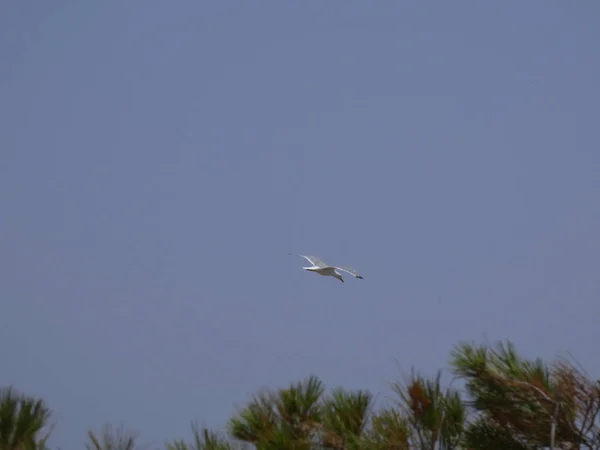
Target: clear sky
(158, 161)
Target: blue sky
(158, 160)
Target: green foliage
(389, 430)
(436, 417)
(345, 416)
(286, 417)
(23, 420)
(204, 439)
(109, 439)
(525, 404)
(298, 407)
(509, 403)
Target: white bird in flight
(321, 268)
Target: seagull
(321, 268)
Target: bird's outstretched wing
(314, 260)
(351, 271)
